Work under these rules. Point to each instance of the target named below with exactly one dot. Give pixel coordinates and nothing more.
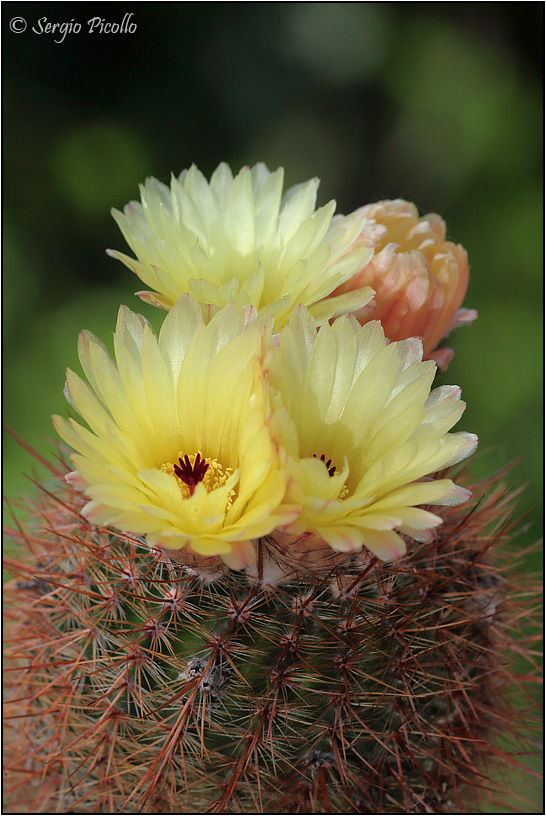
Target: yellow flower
(419, 278)
(359, 430)
(240, 240)
(178, 448)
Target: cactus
(139, 684)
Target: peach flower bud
(419, 278)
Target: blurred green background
(440, 104)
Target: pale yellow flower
(238, 239)
(178, 448)
(419, 278)
(359, 430)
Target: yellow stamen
(215, 476)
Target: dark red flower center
(191, 474)
(329, 467)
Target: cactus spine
(136, 684)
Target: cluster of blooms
(289, 389)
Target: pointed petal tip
(465, 317)
(442, 358)
(75, 480)
(387, 545)
(463, 493)
(241, 555)
(153, 299)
